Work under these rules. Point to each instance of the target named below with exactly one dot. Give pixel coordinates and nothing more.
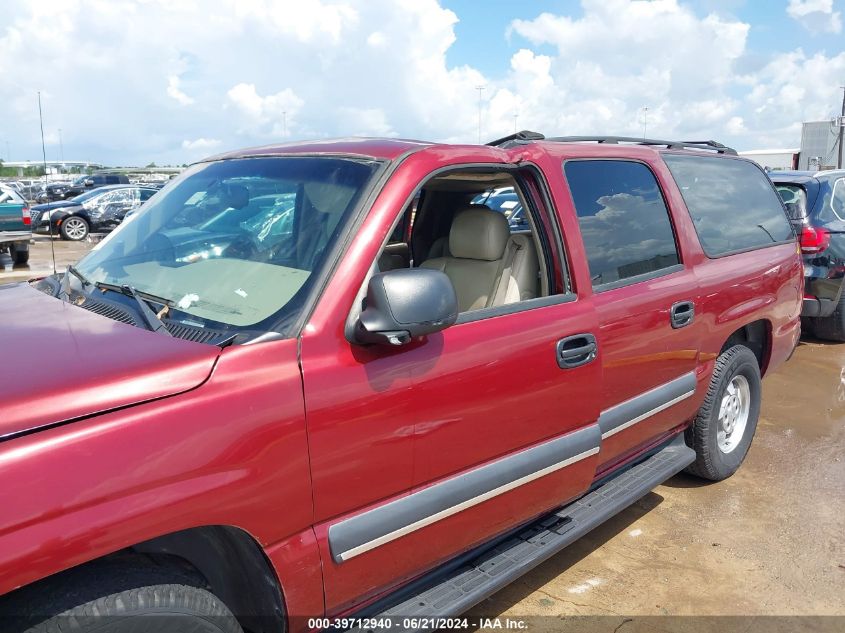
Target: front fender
(231, 452)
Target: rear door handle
(576, 350)
(682, 314)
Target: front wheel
(159, 608)
(74, 228)
(724, 427)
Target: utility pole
(480, 89)
(841, 128)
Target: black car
(99, 210)
(815, 202)
(65, 191)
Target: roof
(376, 148)
(804, 176)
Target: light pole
(645, 120)
(515, 117)
(284, 123)
(480, 89)
(61, 148)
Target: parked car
(815, 202)
(65, 191)
(15, 227)
(506, 201)
(315, 419)
(99, 210)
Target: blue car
(815, 203)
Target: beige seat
(488, 266)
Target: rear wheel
(74, 228)
(19, 255)
(831, 328)
(724, 427)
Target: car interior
(489, 262)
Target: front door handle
(682, 314)
(576, 350)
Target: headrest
(479, 233)
(329, 197)
(235, 196)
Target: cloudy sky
(134, 81)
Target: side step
(456, 587)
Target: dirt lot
(768, 541)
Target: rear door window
(733, 204)
(837, 199)
(624, 221)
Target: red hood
(59, 362)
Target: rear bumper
(15, 236)
(815, 307)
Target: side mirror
(406, 303)
(89, 182)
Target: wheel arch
(227, 560)
(756, 336)
(235, 567)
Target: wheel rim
(733, 414)
(75, 228)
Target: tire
(831, 328)
(734, 392)
(74, 228)
(19, 256)
(116, 597)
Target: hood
(49, 206)
(62, 362)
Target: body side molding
(628, 413)
(368, 530)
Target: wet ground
(768, 541)
(41, 259)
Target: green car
(15, 225)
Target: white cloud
(248, 72)
(200, 144)
(174, 92)
(816, 16)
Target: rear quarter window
(733, 204)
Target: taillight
(27, 219)
(814, 240)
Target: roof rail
(516, 138)
(704, 145)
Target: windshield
(81, 180)
(234, 243)
(794, 199)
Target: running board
(457, 586)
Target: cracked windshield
(233, 242)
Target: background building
(774, 159)
(819, 145)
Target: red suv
(315, 381)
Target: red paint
(284, 438)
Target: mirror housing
(89, 182)
(404, 304)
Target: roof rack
(705, 145)
(527, 136)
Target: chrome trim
(392, 536)
(647, 414)
(634, 410)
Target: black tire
(831, 328)
(19, 256)
(117, 596)
(71, 234)
(712, 462)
